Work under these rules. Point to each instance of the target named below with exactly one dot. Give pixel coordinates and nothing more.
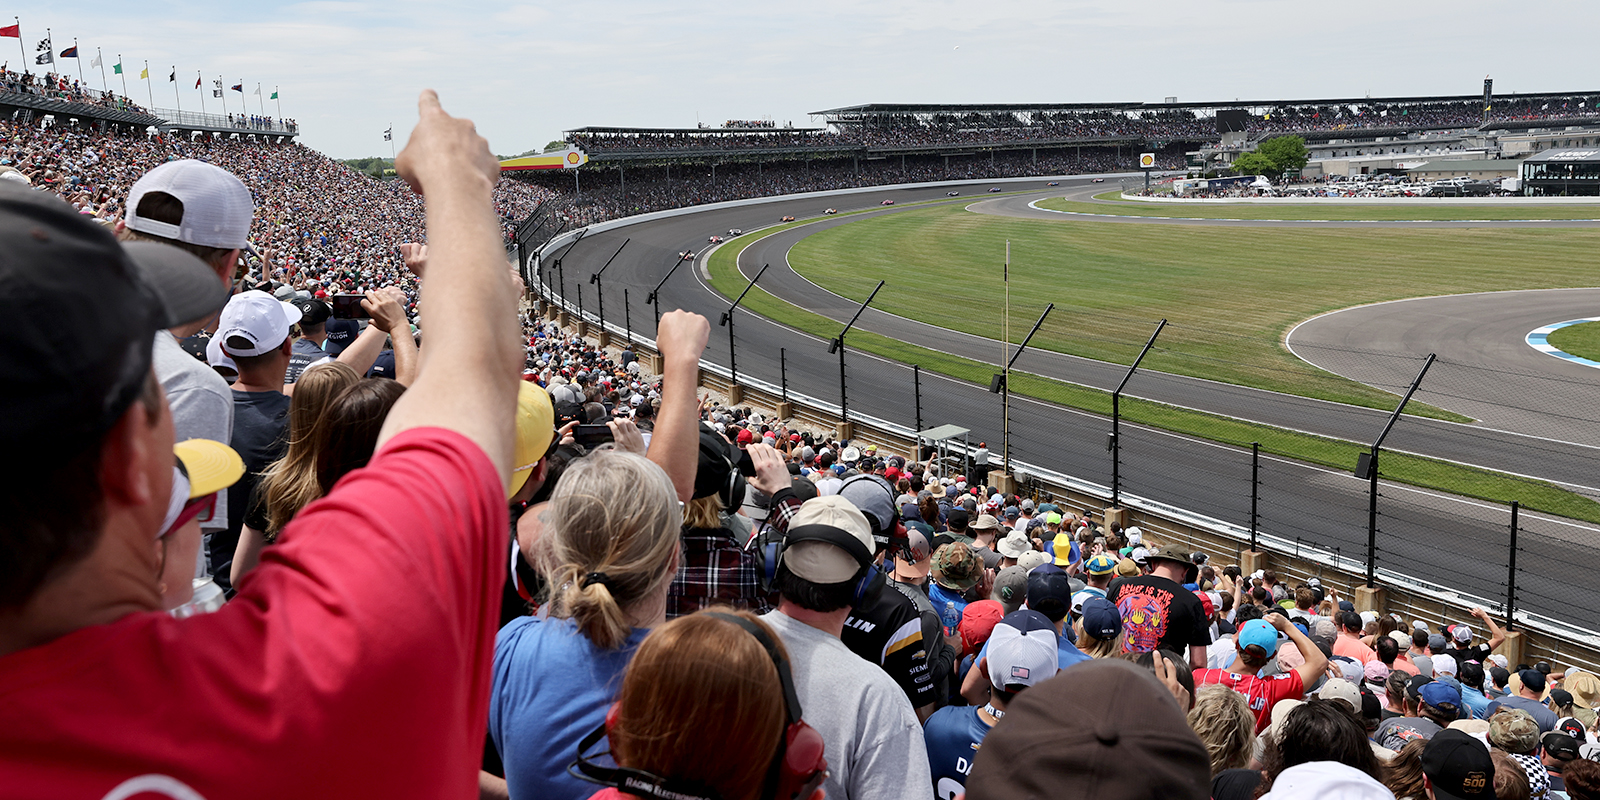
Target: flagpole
(49, 52)
(78, 55)
(260, 101)
(199, 81)
(279, 101)
(124, 73)
(175, 97)
(392, 154)
(20, 48)
(149, 91)
(220, 81)
(101, 58)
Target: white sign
(1147, 160)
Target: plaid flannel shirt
(715, 570)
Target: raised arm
(675, 441)
(1316, 662)
(467, 378)
(1496, 636)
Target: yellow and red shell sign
(570, 158)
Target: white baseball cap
(259, 319)
(218, 359)
(217, 208)
(1022, 650)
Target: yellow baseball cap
(210, 466)
(536, 420)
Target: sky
(525, 72)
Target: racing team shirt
(885, 628)
(1261, 693)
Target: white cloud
(525, 72)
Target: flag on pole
(44, 55)
(116, 69)
(197, 81)
(274, 96)
(238, 87)
(145, 73)
(12, 31)
(257, 92)
(71, 52)
(173, 78)
(96, 61)
(388, 135)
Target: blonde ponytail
(610, 532)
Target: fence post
(916, 383)
(1255, 490)
(783, 373)
(627, 317)
(1511, 569)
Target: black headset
(797, 768)
(715, 445)
(894, 537)
(770, 556)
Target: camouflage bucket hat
(956, 567)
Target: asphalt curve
(1298, 502)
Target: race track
(1310, 503)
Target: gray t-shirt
(1395, 732)
(202, 405)
(871, 737)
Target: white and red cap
(254, 323)
(217, 208)
(1022, 650)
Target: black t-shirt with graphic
(1158, 614)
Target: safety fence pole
(627, 316)
(727, 319)
(1116, 419)
(1255, 490)
(1511, 569)
(1372, 474)
(783, 373)
(916, 384)
(837, 346)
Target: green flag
(116, 69)
(274, 96)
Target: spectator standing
(1255, 642)
(76, 721)
(1460, 640)
(873, 738)
(1429, 707)
(307, 349)
(1158, 613)
(1348, 641)
(1021, 653)
(1527, 699)
(716, 568)
(1515, 732)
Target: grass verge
(1337, 454)
(1582, 340)
(1412, 210)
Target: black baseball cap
(312, 310)
(1458, 766)
(81, 310)
(1560, 745)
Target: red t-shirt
(355, 663)
(1262, 693)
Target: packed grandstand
(920, 612)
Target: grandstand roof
(976, 108)
(697, 131)
(1566, 156)
(49, 105)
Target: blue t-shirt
(1475, 702)
(940, 595)
(953, 735)
(552, 687)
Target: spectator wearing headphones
(873, 737)
(701, 709)
(717, 569)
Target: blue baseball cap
(1258, 634)
(1102, 564)
(1101, 619)
(1441, 695)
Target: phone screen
(348, 306)
(591, 435)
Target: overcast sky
(525, 73)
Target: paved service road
(1312, 504)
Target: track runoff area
(1233, 285)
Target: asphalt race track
(1318, 506)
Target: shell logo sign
(1147, 160)
(570, 158)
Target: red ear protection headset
(797, 769)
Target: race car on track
(786, 218)
(714, 239)
(735, 231)
(952, 194)
(1098, 180)
(831, 211)
(686, 255)
(887, 203)
(994, 189)
(1054, 183)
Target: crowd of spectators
(261, 549)
(62, 87)
(886, 131)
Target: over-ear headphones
(716, 450)
(797, 769)
(769, 556)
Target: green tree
(1254, 163)
(555, 145)
(1287, 153)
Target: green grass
(1313, 210)
(1581, 340)
(1229, 294)
(1334, 453)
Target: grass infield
(1582, 340)
(1337, 454)
(1415, 210)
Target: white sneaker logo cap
(217, 208)
(258, 318)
